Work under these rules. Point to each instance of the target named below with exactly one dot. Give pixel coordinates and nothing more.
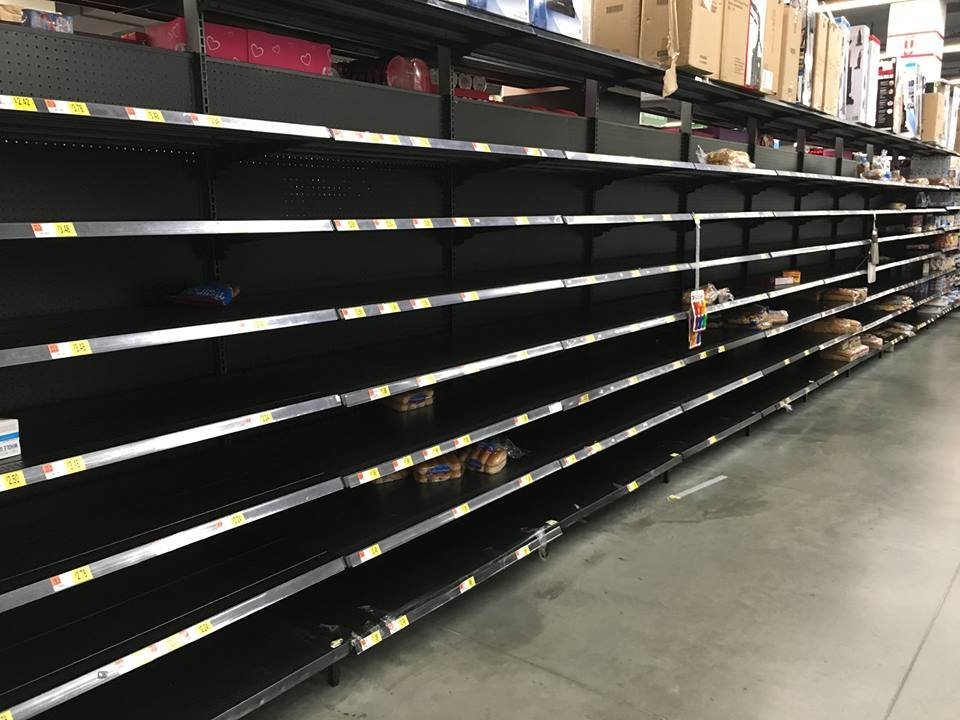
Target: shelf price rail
(198, 128)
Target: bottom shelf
(238, 668)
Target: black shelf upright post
(835, 226)
(591, 111)
(798, 197)
(748, 193)
(450, 237)
(213, 248)
(683, 204)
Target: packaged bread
(421, 397)
(834, 326)
(439, 469)
(842, 296)
(894, 303)
(871, 341)
(897, 206)
(778, 317)
(486, 457)
(711, 294)
(747, 316)
(918, 181)
(846, 354)
(398, 475)
(728, 157)
(901, 327)
(872, 174)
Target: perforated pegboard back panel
(632, 140)
(57, 65)
(261, 92)
(488, 122)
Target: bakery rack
(199, 487)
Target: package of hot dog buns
(411, 400)
(439, 469)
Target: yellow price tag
(11, 480)
(521, 220)
(63, 229)
(712, 439)
(468, 584)
(420, 303)
(22, 102)
(569, 460)
(369, 553)
(368, 475)
(787, 361)
(391, 139)
(237, 519)
(711, 396)
(154, 115)
(461, 222)
(461, 441)
(215, 120)
(525, 480)
(174, 642)
(461, 510)
(204, 627)
(81, 575)
(678, 364)
(632, 431)
(521, 553)
(703, 355)
(388, 308)
(722, 348)
(395, 626)
(6, 715)
(435, 451)
(521, 419)
(353, 313)
(632, 486)
(421, 141)
(423, 223)
(265, 418)
(596, 447)
(470, 296)
(585, 398)
(370, 640)
(385, 224)
(481, 147)
(74, 464)
(78, 108)
(401, 463)
(379, 393)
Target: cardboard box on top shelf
(844, 26)
(821, 38)
(933, 124)
(741, 57)
(564, 17)
(791, 40)
(832, 72)
(616, 26)
(697, 42)
(805, 79)
(772, 45)
(956, 142)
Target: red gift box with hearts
(288, 53)
(225, 42)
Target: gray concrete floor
(820, 580)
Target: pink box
(288, 53)
(169, 35)
(225, 42)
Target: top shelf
(521, 54)
(502, 48)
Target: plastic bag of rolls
(757, 317)
(412, 400)
(439, 469)
(871, 341)
(486, 456)
(834, 326)
(711, 294)
(831, 297)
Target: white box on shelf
(564, 17)
(514, 9)
(9, 439)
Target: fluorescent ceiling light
(840, 5)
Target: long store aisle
(818, 580)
